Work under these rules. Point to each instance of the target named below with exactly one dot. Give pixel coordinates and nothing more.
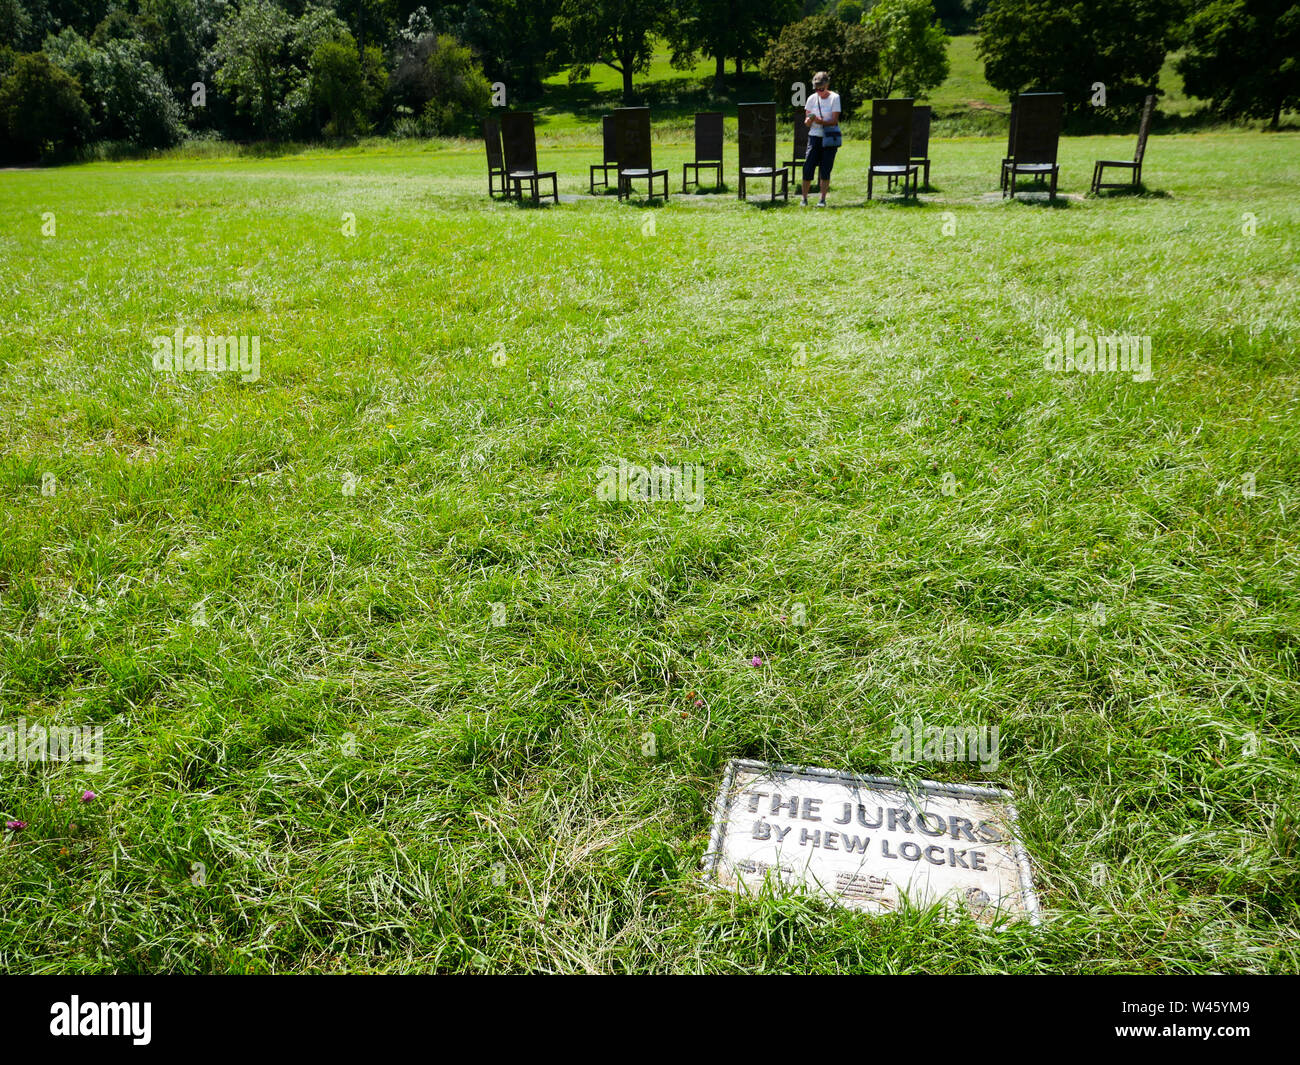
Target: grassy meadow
(376, 669)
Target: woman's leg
(811, 160)
(827, 161)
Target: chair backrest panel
(1148, 105)
(519, 139)
(800, 134)
(891, 132)
(492, 139)
(1038, 127)
(632, 137)
(921, 131)
(609, 139)
(1011, 130)
(756, 135)
(708, 136)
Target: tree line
(150, 73)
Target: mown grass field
(322, 754)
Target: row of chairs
(900, 143)
(1034, 136)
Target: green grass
(370, 775)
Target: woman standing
(822, 117)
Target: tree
(615, 33)
(347, 82)
(251, 61)
(41, 110)
(1066, 47)
(371, 21)
(849, 11)
(438, 78)
(1244, 56)
(913, 46)
(726, 29)
(16, 24)
(823, 42)
(128, 98)
(263, 60)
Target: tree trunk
(719, 74)
(1277, 114)
(627, 81)
(740, 66)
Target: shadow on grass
(1130, 192)
(1040, 199)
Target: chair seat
(761, 171)
(532, 173)
(1116, 162)
(890, 168)
(1034, 168)
(641, 172)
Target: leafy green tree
(263, 60)
(438, 78)
(42, 113)
(515, 41)
(128, 98)
(1067, 45)
(371, 21)
(913, 47)
(1244, 56)
(252, 63)
(347, 82)
(726, 29)
(618, 34)
(849, 11)
(822, 42)
(16, 25)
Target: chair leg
(869, 177)
(1052, 194)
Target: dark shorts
(818, 158)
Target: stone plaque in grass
(870, 843)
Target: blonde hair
(821, 78)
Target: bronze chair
(920, 150)
(609, 155)
(1135, 167)
(1011, 140)
(756, 137)
(1035, 139)
(632, 135)
(495, 160)
(891, 145)
(520, 142)
(800, 141)
(708, 146)
(921, 117)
